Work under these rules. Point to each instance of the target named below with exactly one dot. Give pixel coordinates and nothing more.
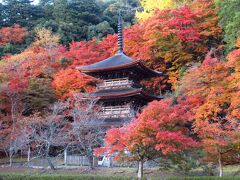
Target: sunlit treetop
(150, 6)
(45, 38)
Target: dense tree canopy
(229, 23)
(73, 20)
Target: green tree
(47, 8)
(39, 95)
(100, 30)
(110, 13)
(1, 14)
(74, 17)
(20, 12)
(46, 2)
(7, 49)
(229, 20)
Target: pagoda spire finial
(120, 32)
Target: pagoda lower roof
(123, 93)
(117, 62)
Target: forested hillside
(195, 43)
(72, 20)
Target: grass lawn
(23, 176)
(84, 173)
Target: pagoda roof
(117, 62)
(123, 93)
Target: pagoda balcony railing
(115, 84)
(116, 112)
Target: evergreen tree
(110, 13)
(74, 17)
(20, 12)
(229, 14)
(100, 30)
(1, 15)
(46, 2)
(47, 7)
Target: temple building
(119, 91)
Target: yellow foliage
(22, 56)
(238, 42)
(46, 39)
(152, 5)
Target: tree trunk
(10, 157)
(50, 163)
(65, 157)
(29, 153)
(48, 158)
(91, 162)
(90, 156)
(140, 170)
(220, 165)
(10, 160)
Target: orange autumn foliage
(33, 62)
(201, 80)
(12, 35)
(217, 120)
(207, 21)
(85, 53)
(234, 80)
(69, 81)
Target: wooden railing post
(116, 111)
(115, 83)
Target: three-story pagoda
(119, 92)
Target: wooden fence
(77, 160)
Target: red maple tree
(12, 35)
(158, 131)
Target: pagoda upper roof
(123, 93)
(117, 62)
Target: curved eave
(138, 64)
(95, 70)
(143, 93)
(149, 71)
